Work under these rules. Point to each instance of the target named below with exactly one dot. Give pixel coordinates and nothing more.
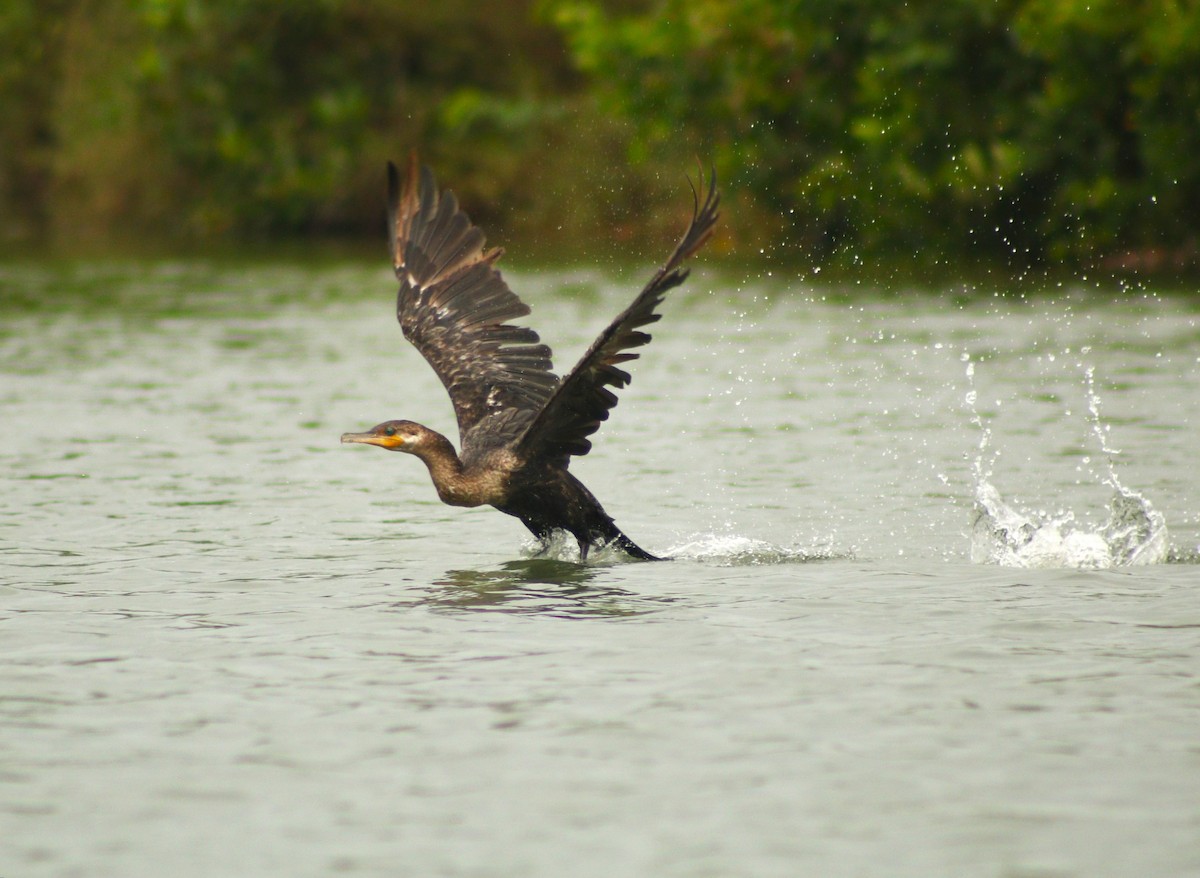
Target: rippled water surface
(231, 646)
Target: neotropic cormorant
(518, 423)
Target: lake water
(230, 645)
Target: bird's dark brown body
(547, 498)
(519, 424)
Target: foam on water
(731, 550)
(1134, 534)
(722, 550)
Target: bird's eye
(389, 431)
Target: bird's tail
(614, 537)
(629, 547)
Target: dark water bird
(519, 424)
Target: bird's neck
(446, 470)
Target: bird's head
(392, 435)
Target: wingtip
(711, 195)
(393, 184)
(704, 218)
(401, 204)
(411, 171)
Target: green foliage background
(1019, 131)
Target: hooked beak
(389, 442)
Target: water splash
(730, 550)
(562, 546)
(1134, 534)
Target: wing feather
(454, 306)
(583, 399)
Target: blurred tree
(1022, 130)
(195, 118)
(1019, 130)
(30, 54)
(1115, 124)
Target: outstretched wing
(453, 305)
(583, 399)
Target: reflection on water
(538, 585)
(560, 585)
